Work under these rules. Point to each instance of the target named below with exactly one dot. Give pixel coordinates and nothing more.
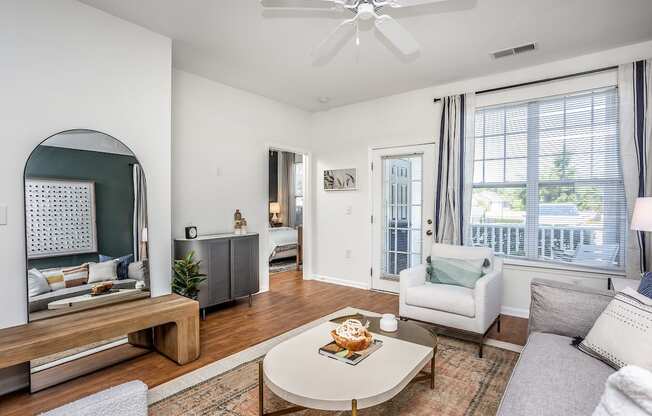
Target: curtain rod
(540, 81)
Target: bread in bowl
(352, 335)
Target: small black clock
(191, 232)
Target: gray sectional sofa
(552, 377)
(40, 302)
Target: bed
(282, 243)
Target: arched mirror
(85, 224)
(86, 242)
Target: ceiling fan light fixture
(363, 10)
(366, 11)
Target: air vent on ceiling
(514, 51)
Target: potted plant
(187, 278)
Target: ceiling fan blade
(409, 3)
(301, 4)
(397, 35)
(334, 40)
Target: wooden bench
(169, 324)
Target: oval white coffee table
(296, 372)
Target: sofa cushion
(554, 378)
(565, 309)
(446, 298)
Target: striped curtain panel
(454, 169)
(634, 86)
(140, 212)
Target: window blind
(548, 182)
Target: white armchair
(469, 311)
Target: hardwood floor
(291, 302)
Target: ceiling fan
(363, 10)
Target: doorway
(403, 197)
(287, 182)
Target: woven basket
(353, 345)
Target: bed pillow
(123, 264)
(102, 272)
(453, 271)
(645, 288)
(622, 335)
(37, 284)
(76, 276)
(55, 279)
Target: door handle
(429, 232)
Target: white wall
(220, 158)
(342, 137)
(64, 65)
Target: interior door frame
(307, 208)
(370, 159)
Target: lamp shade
(642, 218)
(274, 208)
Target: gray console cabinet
(230, 263)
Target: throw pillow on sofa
(137, 271)
(55, 279)
(75, 276)
(645, 288)
(452, 271)
(37, 284)
(622, 335)
(123, 264)
(102, 272)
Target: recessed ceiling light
(324, 100)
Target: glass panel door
(402, 189)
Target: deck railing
(553, 241)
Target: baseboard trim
(517, 312)
(341, 282)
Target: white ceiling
(237, 43)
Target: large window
(548, 182)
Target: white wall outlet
(349, 210)
(347, 253)
(3, 214)
(218, 171)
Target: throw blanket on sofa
(628, 392)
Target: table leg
(261, 412)
(354, 407)
(432, 369)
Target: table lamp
(642, 218)
(275, 209)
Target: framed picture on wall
(341, 180)
(59, 217)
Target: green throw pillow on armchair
(458, 272)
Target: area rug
(465, 385)
(284, 265)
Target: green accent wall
(114, 196)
